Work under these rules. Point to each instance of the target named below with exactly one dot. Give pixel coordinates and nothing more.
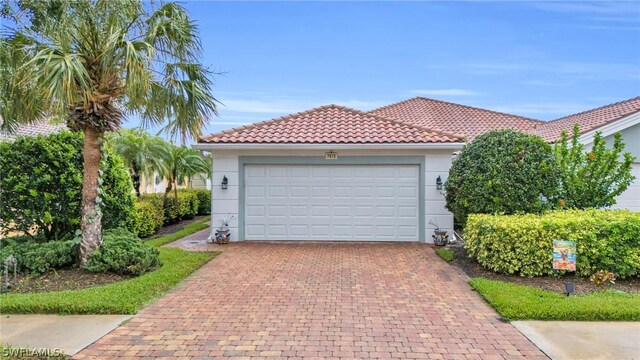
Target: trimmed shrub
(148, 218)
(42, 184)
(122, 252)
(502, 171)
(188, 204)
(36, 258)
(204, 201)
(523, 244)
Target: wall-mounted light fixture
(439, 183)
(225, 182)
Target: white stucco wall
(226, 202)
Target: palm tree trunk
(91, 223)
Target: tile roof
(589, 120)
(331, 124)
(41, 127)
(460, 119)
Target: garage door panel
(332, 202)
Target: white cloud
(621, 71)
(445, 92)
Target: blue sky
(537, 59)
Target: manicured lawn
(124, 297)
(446, 254)
(518, 302)
(188, 230)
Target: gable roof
(331, 124)
(40, 127)
(461, 119)
(589, 120)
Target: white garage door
(332, 202)
(630, 199)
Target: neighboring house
(41, 127)
(335, 173)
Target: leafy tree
(144, 154)
(502, 171)
(591, 178)
(92, 62)
(182, 163)
(42, 180)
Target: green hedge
(41, 186)
(523, 244)
(204, 201)
(187, 204)
(147, 218)
(190, 203)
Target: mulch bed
(62, 279)
(174, 228)
(557, 284)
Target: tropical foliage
(123, 253)
(90, 63)
(43, 176)
(143, 154)
(523, 244)
(591, 178)
(502, 171)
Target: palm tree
(182, 162)
(143, 154)
(92, 62)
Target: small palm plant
(180, 164)
(143, 154)
(92, 62)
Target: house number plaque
(330, 155)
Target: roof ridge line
(594, 109)
(265, 122)
(458, 104)
(406, 123)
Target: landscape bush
(41, 186)
(122, 252)
(591, 178)
(147, 218)
(188, 204)
(37, 258)
(204, 201)
(523, 244)
(502, 171)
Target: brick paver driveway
(320, 300)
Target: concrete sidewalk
(562, 340)
(70, 333)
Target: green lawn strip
(124, 297)
(446, 254)
(188, 230)
(519, 302)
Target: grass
(188, 230)
(124, 297)
(519, 302)
(446, 254)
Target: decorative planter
(440, 237)
(223, 236)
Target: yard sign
(564, 255)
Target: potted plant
(223, 234)
(439, 236)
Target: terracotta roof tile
(460, 119)
(329, 125)
(41, 127)
(590, 119)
